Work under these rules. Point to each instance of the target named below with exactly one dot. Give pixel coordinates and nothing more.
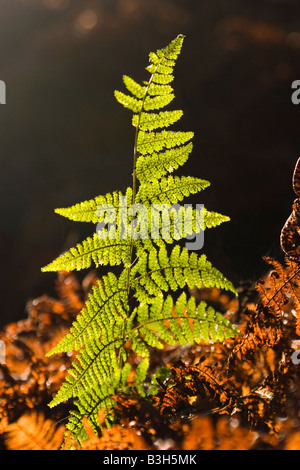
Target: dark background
(64, 138)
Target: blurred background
(64, 138)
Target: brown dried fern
(33, 432)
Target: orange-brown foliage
(243, 393)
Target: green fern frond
(107, 302)
(152, 121)
(162, 79)
(140, 376)
(156, 90)
(183, 321)
(150, 142)
(97, 361)
(89, 405)
(92, 210)
(93, 249)
(151, 167)
(148, 271)
(213, 219)
(180, 222)
(157, 271)
(135, 88)
(129, 102)
(159, 101)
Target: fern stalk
(135, 153)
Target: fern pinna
(132, 310)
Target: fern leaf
(106, 303)
(151, 121)
(167, 225)
(156, 272)
(90, 403)
(170, 190)
(158, 102)
(135, 88)
(94, 365)
(156, 90)
(150, 142)
(92, 210)
(213, 219)
(172, 51)
(152, 167)
(141, 371)
(161, 68)
(140, 376)
(183, 322)
(93, 249)
(129, 102)
(162, 79)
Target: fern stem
(134, 183)
(134, 191)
